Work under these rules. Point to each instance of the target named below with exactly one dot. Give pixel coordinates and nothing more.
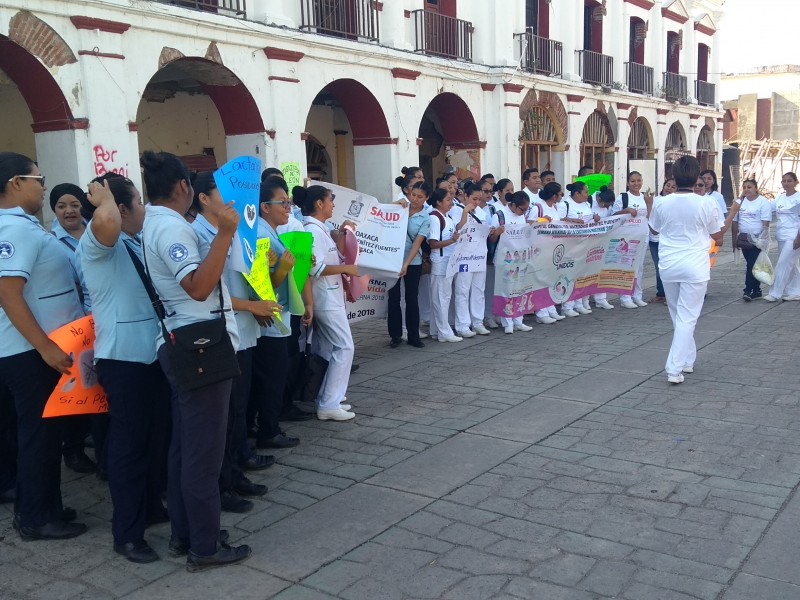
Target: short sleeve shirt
(636, 202)
(787, 208)
(437, 233)
(418, 224)
(27, 250)
(327, 289)
(752, 214)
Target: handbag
(311, 374)
(201, 353)
(745, 241)
(424, 256)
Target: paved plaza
(554, 465)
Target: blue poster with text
(239, 180)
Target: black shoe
(257, 462)
(354, 368)
(245, 487)
(80, 463)
(756, 295)
(252, 433)
(279, 441)
(58, 530)
(8, 496)
(233, 503)
(416, 343)
(68, 514)
(394, 343)
(746, 297)
(295, 414)
(137, 552)
(226, 555)
(179, 547)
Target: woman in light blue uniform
(110, 254)
(37, 296)
(187, 275)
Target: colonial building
(355, 89)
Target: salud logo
(558, 254)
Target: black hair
(437, 196)
(424, 187)
(575, 187)
(751, 180)
(307, 198)
(270, 187)
(714, 186)
(409, 171)
(661, 193)
(498, 187)
(544, 174)
(11, 165)
(471, 187)
(276, 180)
(518, 199)
(631, 174)
(403, 181)
(550, 190)
(585, 170)
(487, 176)
(686, 170)
(162, 172)
(790, 174)
(66, 189)
(202, 183)
(526, 174)
(449, 175)
(296, 192)
(271, 172)
(122, 188)
(606, 196)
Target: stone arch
(41, 40)
(364, 112)
(552, 105)
(640, 140)
(448, 137)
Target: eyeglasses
(283, 203)
(39, 177)
(487, 191)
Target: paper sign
(300, 244)
(77, 393)
(258, 278)
(291, 174)
(296, 305)
(239, 181)
(595, 181)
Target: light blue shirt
(237, 285)
(125, 322)
(69, 246)
(172, 251)
(28, 251)
(282, 291)
(418, 224)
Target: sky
(756, 33)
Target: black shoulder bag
(200, 354)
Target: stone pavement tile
(647, 361)
(19, 582)
(326, 530)
(482, 563)
(479, 587)
(533, 420)
(523, 587)
(301, 592)
(61, 590)
(564, 569)
(596, 386)
(608, 578)
(750, 587)
(397, 537)
(642, 591)
(664, 341)
(446, 466)
(236, 581)
(693, 586)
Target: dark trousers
(74, 430)
(395, 317)
(295, 356)
(31, 381)
(8, 440)
(654, 256)
(236, 435)
(270, 364)
(199, 424)
(138, 407)
(751, 284)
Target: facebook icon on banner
(463, 268)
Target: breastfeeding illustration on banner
(551, 263)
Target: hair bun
(603, 188)
(299, 193)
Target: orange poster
(77, 393)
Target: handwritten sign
(291, 174)
(77, 393)
(300, 244)
(239, 181)
(258, 278)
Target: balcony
(595, 68)
(675, 88)
(539, 55)
(230, 8)
(639, 78)
(440, 35)
(348, 19)
(706, 93)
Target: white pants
(333, 341)
(637, 285)
(424, 298)
(582, 302)
(441, 292)
(787, 273)
(546, 312)
(469, 299)
(600, 297)
(685, 301)
(506, 322)
(488, 293)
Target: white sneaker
(604, 304)
(334, 415)
(344, 406)
(452, 338)
(466, 334)
(639, 302)
(522, 327)
(491, 323)
(770, 298)
(675, 378)
(581, 310)
(628, 304)
(791, 298)
(545, 320)
(556, 316)
(481, 330)
(422, 335)
(688, 369)
(571, 313)
(509, 329)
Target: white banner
(373, 303)
(470, 252)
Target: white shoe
(582, 310)
(545, 320)
(604, 304)
(770, 298)
(422, 335)
(452, 338)
(509, 329)
(481, 330)
(688, 369)
(790, 298)
(334, 415)
(556, 316)
(491, 323)
(466, 334)
(571, 313)
(522, 327)
(639, 302)
(675, 378)
(404, 337)
(628, 304)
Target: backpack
(624, 196)
(442, 225)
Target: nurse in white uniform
(577, 210)
(551, 195)
(442, 236)
(638, 205)
(751, 223)
(787, 232)
(332, 338)
(603, 206)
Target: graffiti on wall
(108, 161)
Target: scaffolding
(765, 161)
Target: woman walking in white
(685, 221)
(443, 234)
(603, 206)
(787, 232)
(751, 221)
(551, 210)
(638, 205)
